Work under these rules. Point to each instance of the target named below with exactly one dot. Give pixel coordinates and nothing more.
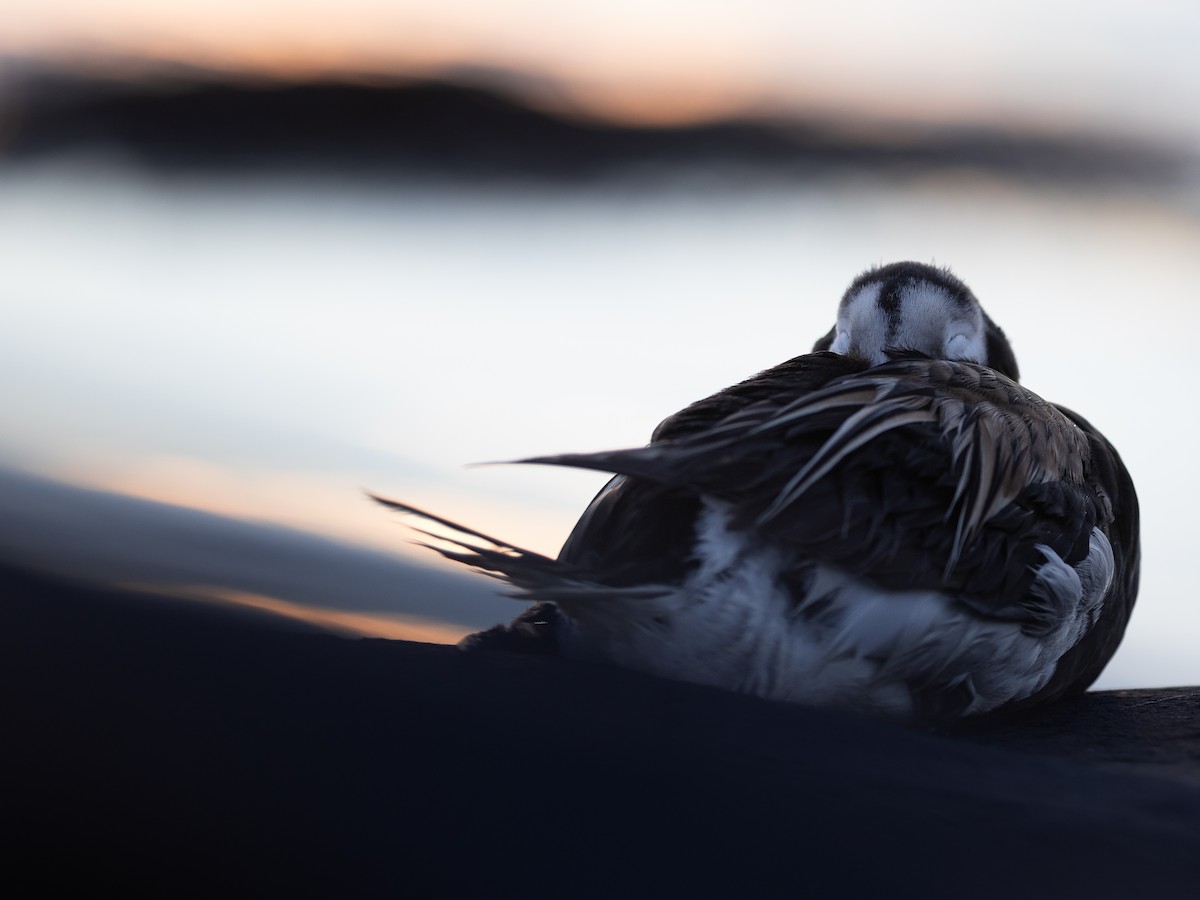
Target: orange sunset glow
(393, 627)
(667, 82)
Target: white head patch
(910, 314)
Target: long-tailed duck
(889, 524)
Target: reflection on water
(113, 538)
(269, 349)
(392, 626)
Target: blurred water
(268, 348)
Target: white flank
(848, 643)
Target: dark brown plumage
(899, 527)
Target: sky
(1110, 65)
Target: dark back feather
(921, 474)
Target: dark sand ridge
(183, 749)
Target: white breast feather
(732, 624)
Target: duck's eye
(958, 345)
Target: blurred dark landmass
(196, 122)
(161, 747)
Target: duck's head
(912, 307)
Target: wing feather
(862, 467)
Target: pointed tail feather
(532, 575)
(673, 464)
(453, 526)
